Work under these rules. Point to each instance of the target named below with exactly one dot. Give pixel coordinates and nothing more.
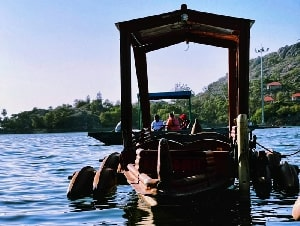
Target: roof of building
(268, 99)
(296, 95)
(274, 84)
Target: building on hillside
(268, 99)
(296, 97)
(274, 86)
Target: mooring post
(243, 158)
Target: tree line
(210, 107)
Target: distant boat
(115, 138)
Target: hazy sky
(55, 51)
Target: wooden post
(128, 155)
(243, 158)
(243, 70)
(142, 79)
(232, 86)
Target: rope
(294, 153)
(273, 151)
(264, 147)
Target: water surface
(34, 179)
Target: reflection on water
(35, 168)
(179, 215)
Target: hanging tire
(105, 179)
(288, 179)
(104, 182)
(261, 175)
(81, 183)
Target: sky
(53, 52)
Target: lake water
(34, 174)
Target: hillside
(282, 66)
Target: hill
(282, 66)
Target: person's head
(171, 114)
(183, 117)
(156, 117)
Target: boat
(115, 138)
(173, 168)
(164, 170)
(107, 137)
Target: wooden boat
(165, 170)
(173, 168)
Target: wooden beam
(221, 21)
(150, 21)
(142, 79)
(126, 106)
(232, 85)
(243, 70)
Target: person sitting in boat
(118, 127)
(184, 121)
(157, 124)
(172, 123)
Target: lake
(34, 179)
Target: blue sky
(55, 51)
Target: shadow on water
(225, 211)
(88, 203)
(80, 205)
(216, 211)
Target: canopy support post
(243, 158)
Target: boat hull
(179, 175)
(107, 137)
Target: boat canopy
(185, 94)
(170, 95)
(184, 25)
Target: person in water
(157, 124)
(172, 123)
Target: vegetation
(209, 106)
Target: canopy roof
(169, 95)
(159, 31)
(185, 25)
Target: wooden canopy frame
(184, 25)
